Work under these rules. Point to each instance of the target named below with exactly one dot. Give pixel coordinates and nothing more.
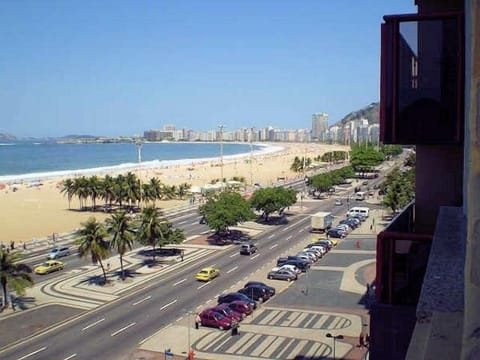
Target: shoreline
(35, 211)
(125, 167)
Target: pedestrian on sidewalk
(361, 341)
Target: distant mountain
(370, 112)
(7, 137)
(79, 137)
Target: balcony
(421, 90)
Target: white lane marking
(234, 255)
(167, 305)
(93, 324)
(123, 329)
(232, 269)
(273, 246)
(287, 228)
(182, 222)
(254, 257)
(213, 265)
(271, 236)
(140, 301)
(306, 227)
(288, 238)
(194, 223)
(179, 282)
(202, 286)
(70, 357)
(32, 353)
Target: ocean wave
(144, 165)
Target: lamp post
(251, 158)
(334, 337)
(221, 155)
(139, 143)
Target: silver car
(58, 252)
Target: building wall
(471, 337)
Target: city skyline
(118, 68)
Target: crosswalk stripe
(313, 349)
(321, 321)
(285, 348)
(244, 339)
(273, 346)
(334, 323)
(299, 319)
(263, 345)
(251, 341)
(267, 318)
(297, 349)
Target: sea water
(28, 160)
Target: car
(270, 289)
(325, 243)
(338, 202)
(248, 249)
(336, 233)
(224, 309)
(343, 227)
(207, 274)
(315, 251)
(307, 255)
(240, 306)
(288, 267)
(349, 222)
(282, 275)
(58, 252)
(48, 267)
(309, 259)
(301, 264)
(256, 293)
(320, 248)
(211, 318)
(227, 298)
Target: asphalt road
(115, 329)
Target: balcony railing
(421, 90)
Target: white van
(360, 196)
(358, 210)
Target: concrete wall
(471, 330)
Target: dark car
(326, 244)
(226, 298)
(282, 275)
(301, 264)
(224, 309)
(350, 222)
(248, 249)
(256, 293)
(240, 307)
(336, 233)
(270, 289)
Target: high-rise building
(319, 126)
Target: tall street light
(251, 158)
(221, 154)
(334, 337)
(139, 143)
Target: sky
(118, 68)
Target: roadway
(112, 330)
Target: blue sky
(121, 67)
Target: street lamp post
(251, 158)
(139, 143)
(334, 337)
(221, 155)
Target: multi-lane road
(114, 329)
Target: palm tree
(68, 189)
(182, 190)
(118, 225)
(13, 274)
(94, 189)
(155, 189)
(91, 241)
(154, 230)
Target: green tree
(68, 188)
(271, 199)
(91, 242)
(13, 275)
(399, 188)
(120, 228)
(224, 210)
(365, 158)
(154, 230)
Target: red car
(240, 307)
(224, 309)
(212, 318)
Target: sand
(35, 212)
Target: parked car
(207, 274)
(282, 275)
(270, 289)
(248, 249)
(295, 257)
(325, 243)
(338, 202)
(349, 222)
(209, 317)
(227, 298)
(48, 267)
(224, 309)
(307, 256)
(336, 233)
(301, 264)
(58, 252)
(318, 253)
(288, 267)
(344, 227)
(320, 248)
(256, 293)
(240, 307)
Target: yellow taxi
(207, 274)
(48, 267)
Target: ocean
(29, 161)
